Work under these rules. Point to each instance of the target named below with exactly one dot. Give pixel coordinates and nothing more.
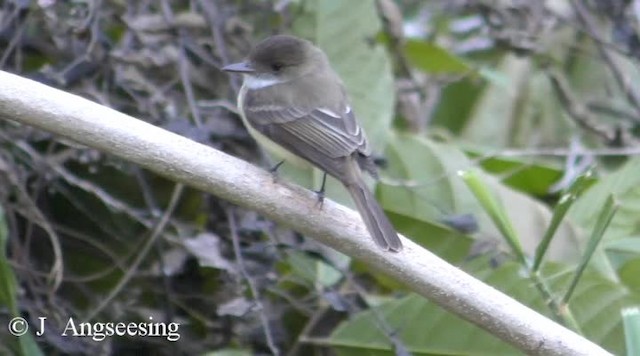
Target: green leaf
(421, 184)
(630, 271)
(629, 245)
(604, 219)
(631, 317)
(521, 112)
(8, 284)
(588, 80)
(566, 201)
(423, 327)
(525, 175)
(439, 239)
(496, 211)
(624, 184)
(431, 58)
(456, 104)
(314, 270)
(8, 295)
(426, 329)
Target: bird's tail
(374, 217)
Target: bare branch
(185, 161)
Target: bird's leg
(274, 170)
(320, 193)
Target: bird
(294, 104)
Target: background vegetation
(539, 102)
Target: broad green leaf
(422, 179)
(423, 328)
(426, 329)
(629, 245)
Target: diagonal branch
(188, 162)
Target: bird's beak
(241, 67)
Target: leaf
(313, 270)
(457, 103)
(580, 184)
(521, 112)
(439, 239)
(629, 273)
(625, 185)
(427, 329)
(423, 328)
(9, 293)
(205, 247)
(424, 186)
(431, 58)
(631, 317)
(496, 211)
(525, 175)
(588, 80)
(8, 284)
(602, 223)
(423, 182)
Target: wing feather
(320, 135)
(317, 127)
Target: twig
(606, 108)
(578, 111)
(183, 64)
(216, 22)
(617, 72)
(142, 254)
(255, 293)
(28, 208)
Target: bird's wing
(319, 135)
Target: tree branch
(185, 161)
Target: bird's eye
(276, 67)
